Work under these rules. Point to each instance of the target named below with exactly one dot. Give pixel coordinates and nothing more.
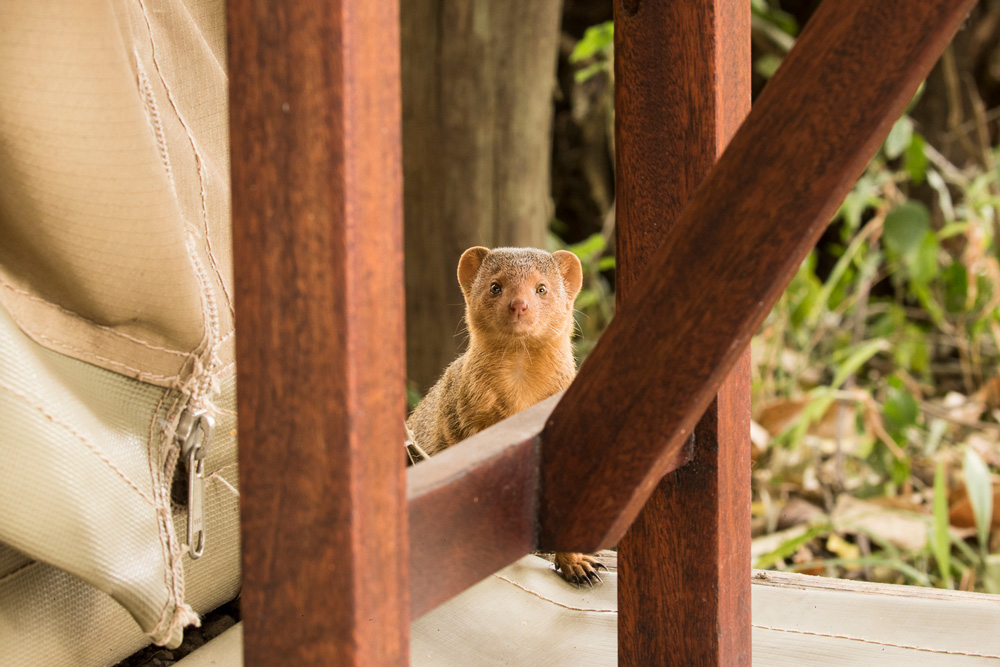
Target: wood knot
(630, 7)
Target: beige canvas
(114, 213)
(116, 317)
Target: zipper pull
(194, 432)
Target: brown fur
(514, 359)
(519, 351)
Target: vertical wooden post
(682, 73)
(317, 241)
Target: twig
(941, 413)
(949, 69)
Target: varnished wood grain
(684, 585)
(317, 240)
(725, 261)
(473, 508)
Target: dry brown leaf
(797, 511)
(904, 529)
(989, 394)
(960, 512)
(777, 416)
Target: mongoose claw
(578, 569)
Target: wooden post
(684, 565)
(317, 241)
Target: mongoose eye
(542, 289)
(495, 288)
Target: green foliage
(880, 349)
(885, 346)
(940, 537)
(595, 305)
(595, 51)
(980, 489)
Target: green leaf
(905, 227)
(606, 264)
(853, 251)
(991, 577)
(980, 488)
(915, 160)
(899, 138)
(935, 180)
(585, 299)
(922, 264)
(413, 395)
(791, 545)
(900, 409)
(774, 16)
(912, 352)
(956, 287)
(857, 358)
(940, 535)
(589, 71)
(597, 39)
(767, 65)
(899, 470)
(590, 246)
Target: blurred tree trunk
(478, 79)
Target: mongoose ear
(468, 266)
(571, 270)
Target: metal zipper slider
(194, 432)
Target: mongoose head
(521, 293)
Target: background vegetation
(876, 400)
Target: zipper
(193, 436)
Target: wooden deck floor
(525, 615)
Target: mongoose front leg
(579, 568)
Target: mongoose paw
(579, 568)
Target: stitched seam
(877, 643)
(197, 159)
(158, 492)
(140, 374)
(201, 382)
(558, 604)
(110, 330)
(163, 458)
(207, 301)
(31, 402)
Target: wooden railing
(338, 553)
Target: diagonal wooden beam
(317, 242)
(619, 428)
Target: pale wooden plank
(778, 649)
(799, 619)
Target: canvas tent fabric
(524, 615)
(115, 318)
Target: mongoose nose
(518, 306)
